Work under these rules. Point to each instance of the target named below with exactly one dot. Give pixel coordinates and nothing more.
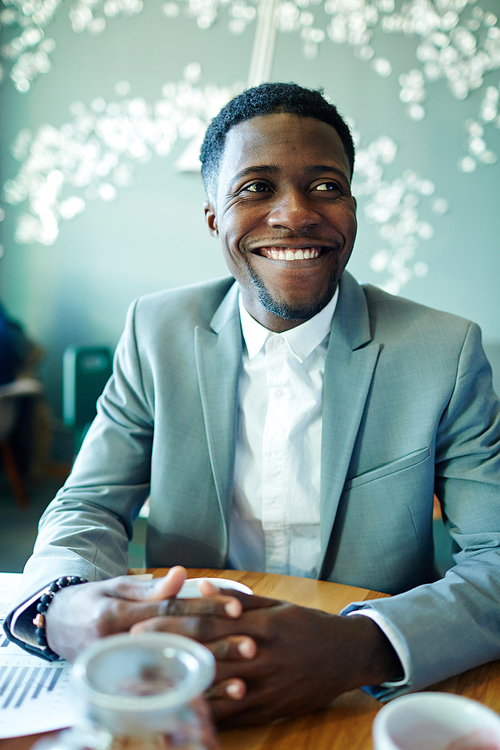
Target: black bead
(42, 607)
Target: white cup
(190, 588)
(435, 721)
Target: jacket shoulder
(389, 314)
(186, 306)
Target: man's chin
(288, 311)
(294, 309)
(287, 308)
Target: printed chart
(35, 695)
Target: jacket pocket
(405, 462)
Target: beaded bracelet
(42, 607)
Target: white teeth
(290, 254)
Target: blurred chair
(86, 370)
(11, 397)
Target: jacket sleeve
(453, 624)
(85, 530)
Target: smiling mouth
(290, 253)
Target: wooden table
(346, 724)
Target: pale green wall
(153, 235)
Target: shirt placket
(275, 439)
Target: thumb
(169, 585)
(159, 588)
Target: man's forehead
(260, 121)
(249, 137)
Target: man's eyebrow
(321, 168)
(256, 169)
(270, 169)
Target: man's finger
(199, 628)
(233, 647)
(248, 601)
(170, 584)
(222, 606)
(129, 613)
(125, 587)
(234, 690)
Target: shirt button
(276, 343)
(279, 393)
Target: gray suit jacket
(408, 409)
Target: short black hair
(267, 99)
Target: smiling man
(285, 420)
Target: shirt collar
(301, 340)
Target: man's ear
(211, 218)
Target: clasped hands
(273, 658)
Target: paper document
(35, 695)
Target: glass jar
(141, 692)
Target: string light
(393, 208)
(92, 157)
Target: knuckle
(198, 628)
(191, 627)
(175, 607)
(109, 617)
(103, 625)
(205, 628)
(118, 610)
(119, 586)
(269, 631)
(222, 649)
(172, 607)
(207, 607)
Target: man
(292, 422)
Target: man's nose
(292, 210)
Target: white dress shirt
(275, 523)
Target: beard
(292, 312)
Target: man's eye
(328, 186)
(257, 187)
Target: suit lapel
(218, 360)
(350, 362)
